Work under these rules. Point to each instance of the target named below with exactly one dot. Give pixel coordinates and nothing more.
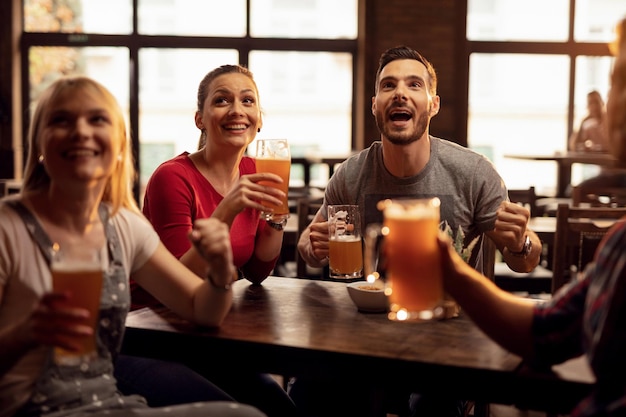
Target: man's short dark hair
(404, 52)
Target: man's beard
(404, 137)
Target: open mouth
(400, 116)
(236, 127)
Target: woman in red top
(215, 181)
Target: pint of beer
(272, 155)
(77, 271)
(411, 260)
(345, 253)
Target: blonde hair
(118, 190)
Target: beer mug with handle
(403, 252)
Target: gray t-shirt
(466, 182)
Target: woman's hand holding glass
(251, 191)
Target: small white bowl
(368, 297)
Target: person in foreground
(218, 182)
(77, 190)
(410, 163)
(586, 316)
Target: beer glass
(345, 254)
(410, 258)
(77, 270)
(272, 155)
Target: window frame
(569, 47)
(134, 41)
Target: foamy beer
(272, 155)
(78, 271)
(345, 254)
(410, 258)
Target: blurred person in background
(592, 133)
(592, 136)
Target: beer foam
(396, 211)
(76, 266)
(345, 238)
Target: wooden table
(565, 160)
(291, 326)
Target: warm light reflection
(372, 277)
(613, 46)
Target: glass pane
(514, 20)
(322, 19)
(168, 87)
(76, 16)
(596, 19)
(108, 65)
(518, 104)
(306, 97)
(192, 17)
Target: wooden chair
(599, 196)
(579, 230)
(306, 210)
(527, 198)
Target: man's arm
(313, 242)
(520, 247)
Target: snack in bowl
(368, 297)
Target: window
(529, 75)
(153, 58)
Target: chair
(306, 210)
(579, 230)
(527, 198)
(599, 196)
(10, 186)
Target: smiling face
(77, 137)
(231, 113)
(403, 105)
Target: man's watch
(528, 245)
(280, 226)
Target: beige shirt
(25, 276)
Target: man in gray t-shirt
(408, 162)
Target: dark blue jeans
(168, 383)
(164, 383)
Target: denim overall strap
(77, 386)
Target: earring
(40, 159)
(258, 130)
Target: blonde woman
(77, 190)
